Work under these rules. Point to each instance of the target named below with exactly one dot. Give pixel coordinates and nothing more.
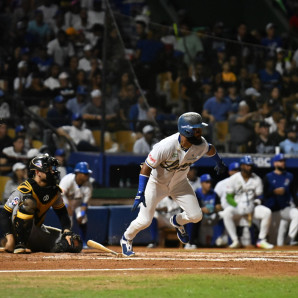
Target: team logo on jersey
(287, 182)
(151, 158)
(46, 198)
(174, 155)
(15, 201)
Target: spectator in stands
(217, 108)
(22, 81)
(85, 61)
(20, 131)
(52, 82)
(279, 135)
(80, 79)
(78, 103)
(49, 10)
(126, 99)
(60, 48)
(189, 44)
(58, 22)
(73, 15)
(145, 144)
(261, 143)
(271, 41)
(4, 106)
(282, 64)
(38, 29)
(290, 144)
(92, 112)
(227, 75)
(5, 141)
(269, 76)
(218, 61)
(59, 115)
(280, 196)
(60, 156)
(138, 113)
(19, 175)
(66, 89)
(16, 152)
(82, 137)
(241, 128)
(42, 60)
(233, 96)
(210, 205)
(72, 68)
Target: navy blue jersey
(211, 198)
(273, 181)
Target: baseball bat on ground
(99, 246)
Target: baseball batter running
(22, 217)
(164, 173)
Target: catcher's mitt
(63, 245)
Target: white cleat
(235, 244)
(264, 244)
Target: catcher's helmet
(82, 167)
(246, 160)
(44, 163)
(188, 121)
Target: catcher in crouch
(21, 219)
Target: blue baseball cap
(76, 116)
(247, 160)
(234, 166)
(19, 128)
(82, 90)
(59, 99)
(205, 177)
(278, 157)
(82, 167)
(60, 152)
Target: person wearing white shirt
(145, 144)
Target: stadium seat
(11, 132)
(36, 144)
(125, 139)
(3, 180)
(221, 136)
(107, 139)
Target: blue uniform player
(279, 196)
(210, 205)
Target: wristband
(143, 180)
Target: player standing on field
(164, 173)
(244, 191)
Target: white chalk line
(117, 269)
(228, 259)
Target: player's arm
(143, 180)
(62, 214)
(220, 167)
(6, 228)
(218, 206)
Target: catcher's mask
(48, 165)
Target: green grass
(158, 285)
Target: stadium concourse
(249, 262)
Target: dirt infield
(220, 261)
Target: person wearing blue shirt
(210, 204)
(290, 144)
(217, 108)
(279, 196)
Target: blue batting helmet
(82, 167)
(246, 160)
(188, 121)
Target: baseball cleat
(181, 233)
(235, 244)
(126, 246)
(21, 249)
(264, 244)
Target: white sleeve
(158, 154)
(259, 186)
(65, 184)
(87, 193)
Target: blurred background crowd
(70, 70)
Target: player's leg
(282, 231)
(263, 214)
(154, 230)
(291, 215)
(230, 216)
(22, 224)
(154, 193)
(82, 220)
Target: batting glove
(220, 168)
(140, 198)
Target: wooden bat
(99, 246)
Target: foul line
(117, 269)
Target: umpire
(22, 217)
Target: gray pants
(44, 238)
